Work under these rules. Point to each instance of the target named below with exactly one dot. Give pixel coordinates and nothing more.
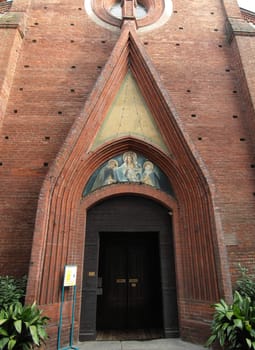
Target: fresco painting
(128, 167)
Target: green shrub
(245, 284)
(11, 290)
(233, 325)
(22, 327)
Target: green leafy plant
(11, 290)
(245, 284)
(233, 325)
(22, 327)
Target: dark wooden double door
(129, 273)
(129, 280)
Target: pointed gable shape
(129, 116)
(61, 215)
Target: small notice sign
(70, 275)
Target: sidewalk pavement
(158, 344)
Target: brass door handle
(133, 280)
(121, 280)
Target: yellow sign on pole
(70, 275)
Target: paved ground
(159, 344)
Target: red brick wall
(61, 58)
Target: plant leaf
(2, 321)
(34, 334)
(18, 326)
(3, 332)
(210, 340)
(3, 342)
(11, 344)
(238, 323)
(248, 341)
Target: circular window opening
(116, 11)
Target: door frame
(91, 262)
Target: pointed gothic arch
(61, 216)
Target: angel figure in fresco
(106, 175)
(130, 170)
(149, 176)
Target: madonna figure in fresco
(130, 170)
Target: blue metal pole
(60, 318)
(72, 325)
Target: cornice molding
(238, 27)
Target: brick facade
(248, 16)
(59, 74)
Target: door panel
(130, 214)
(112, 307)
(129, 264)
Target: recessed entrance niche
(129, 270)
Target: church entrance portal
(129, 275)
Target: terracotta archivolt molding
(61, 218)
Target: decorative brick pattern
(59, 72)
(5, 6)
(248, 16)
